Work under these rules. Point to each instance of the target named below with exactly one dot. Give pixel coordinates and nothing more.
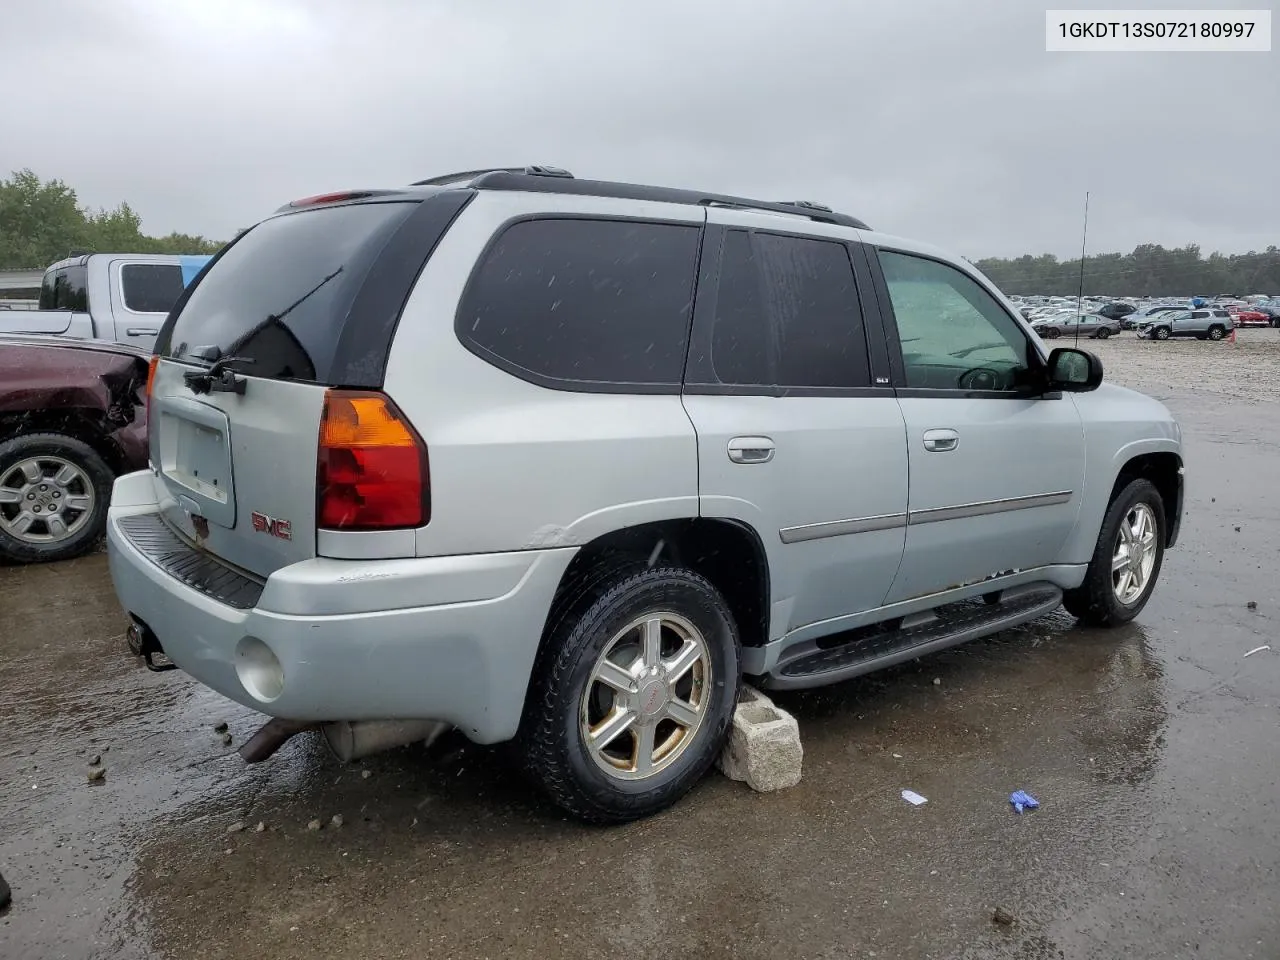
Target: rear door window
(66, 288)
(150, 287)
(279, 296)
(584, 304)
(787, 315)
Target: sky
(943, 120)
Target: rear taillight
(371, 469)
(151, 375)
(146, 392)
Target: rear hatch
(239, 389)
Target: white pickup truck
(107, 296)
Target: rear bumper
(439, 638)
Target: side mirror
(1074, 371)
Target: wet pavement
(1153, 749)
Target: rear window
(280, 295)
(150, 287)
(577, 304)
(66, 288)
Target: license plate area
(195, 458)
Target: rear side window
(577, 303)
(150, 287)
(66, 288)
(787, 315)
(280, 295)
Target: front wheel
(632, 695)
(54, 493)
(1216, 333)
(1161, 333)
(1050, 333)
(1126, 560)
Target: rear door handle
(751, 449)
(941, 440)
(141, 332)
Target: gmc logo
(277, 528)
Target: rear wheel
(632, 695)
(1126, 560)
(1216, 333)
(1103, 333)
(54, 493)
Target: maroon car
(72, 417)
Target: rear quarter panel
(514, 465)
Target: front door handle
(141, 332)
(751, 449)
(941, 440)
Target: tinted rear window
(66, 288)
(583, 302)
(280, 295)
(150, 287)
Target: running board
(814, 663)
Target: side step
(814, 663)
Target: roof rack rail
(533, 170)
(561, 182)
(808, 205)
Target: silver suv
(1203, 323)
(560, 461)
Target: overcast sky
(945, 120)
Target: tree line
(1149, 271)
(43, 221)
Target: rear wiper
(218, 378)
(271, 318)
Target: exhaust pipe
(270, 737)
(352, 739)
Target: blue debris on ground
(1022, 800)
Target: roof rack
(534, 170)
(547, 179)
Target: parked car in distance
(72, 417)
(1272, 313)
(1207, 323)
(107, 296)
(561, 461)
(1135, 320)
(1250, 317)
(1116, 309)
(1087, 325)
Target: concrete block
(764, 744)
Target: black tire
(1094, 603)
(1103, 333)
(1160, 333)
(6, 895)
(97, 476)
(1050, 333)
(1216, 332)
(550, 745)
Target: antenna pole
(1084, 243)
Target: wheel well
(1162, 470)
(728, 553)
(83, 425)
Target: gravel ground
(1248, 369)
(1151, 748)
